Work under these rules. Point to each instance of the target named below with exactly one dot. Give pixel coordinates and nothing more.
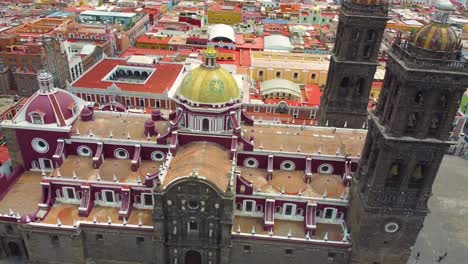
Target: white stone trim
(117, 153)
(80, 150)
(325, 165)
(284, 165)
(249, 160)
(35, 145)
(156, 152)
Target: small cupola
(210, 57)
(46, 82)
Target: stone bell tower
(353, 63)
(407, 139)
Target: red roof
(161, 79)
(4, 154)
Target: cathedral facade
(209, 184)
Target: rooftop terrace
(283, 227)
(122, 169)
(121, 125)
(24, 195)
(293, 183)
(323, 140)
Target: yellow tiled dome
(436, 37)
(209, 85)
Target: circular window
(391, 227)
(193, 204)
(40, 145)
(251, 163)
(157, 155)
(121, 153)
(85, 151)
(287, 165)
(325, 168)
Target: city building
(22, 60)
(222, 14)
(136, 82)
(298, 68)
(205, 184)
(131, 25)
(195, 178)
(407, 139)
(353, 63)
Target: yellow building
(295, 67)
(229, 15)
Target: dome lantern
(444, 9)
(46, 82)
(210, 57)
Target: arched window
(394, 174)
(343, 91)
(417, 176)
(356, 34)
(367, 52)
(206, 124)
(370, 35)
(360, 86)
(419, 98)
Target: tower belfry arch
(353, 63)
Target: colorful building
(220, 14)
(297, 68)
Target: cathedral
(208, 184)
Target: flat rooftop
(209, 159)
(107, 13)
(292, 182)
(121, 126)
(24, 195)
(309, 139)
(283, 227)
(163, 77)
(67, 213)
(122, 169)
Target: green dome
(209, 85)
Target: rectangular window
(140, 240)
(318, 213)
(109, 196)
(193, 226)
(142, 102)
(329, 213)
(295, 75)
(247, 248)
(313, 76)
(288, 210)
(278, 74)
(148, 199)
(36, 119)
(70, 193)
(88, 98)
(54, 240)
(103, 99)
(249, 206)
(99, 237)
(288, 251)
